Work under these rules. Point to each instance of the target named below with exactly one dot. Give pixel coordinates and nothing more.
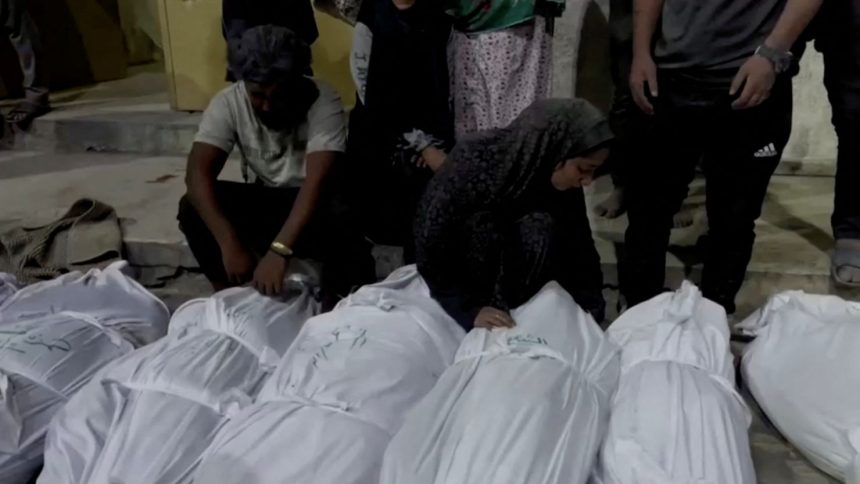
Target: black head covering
(527, 151)
(271, 54)
(267, 54)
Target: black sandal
(25, 112)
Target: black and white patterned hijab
(515, 159)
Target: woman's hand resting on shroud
(490, 318)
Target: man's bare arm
(646, 14)
(793, 21)
(757, 76)
(269, 275)
(204, 165)
(643, 72)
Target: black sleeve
(445, 206)
(234, 14)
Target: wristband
(281, 249)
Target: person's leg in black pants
(25, 38)
(258, 213)
(622, 114)
(672, 146)
(839, 41)
(744, 149)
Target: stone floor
(792, 250)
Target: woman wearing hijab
(500, 59)
(505, 214)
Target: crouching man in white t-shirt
(289, 130)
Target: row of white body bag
(241, 391)
(651, 401)
(54, 337)
(676, 417)
(248, 390)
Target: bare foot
(613, 206)
(846, 262)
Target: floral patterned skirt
(495, 75)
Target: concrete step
(154, 132)
(130, 115)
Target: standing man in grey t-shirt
(289, 130)
(713, 81)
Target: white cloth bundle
(340, 392)
(54, 337)
(528, 405)
(8, 286)
(110, 296)
(676, 418)
(804, 371)
(149, 417)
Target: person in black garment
(24, 36)
(620, 118)
(505, 214)
(402, 116)
(713, 80)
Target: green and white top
(474, 16)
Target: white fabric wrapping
(340, 392)
(804, 371)
(8, 286)
(149, 417)
(77, 433)
(54, 336)
(110, 296)
(676, 418)
(260, 322)
(527, 405)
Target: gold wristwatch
(281, 249)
